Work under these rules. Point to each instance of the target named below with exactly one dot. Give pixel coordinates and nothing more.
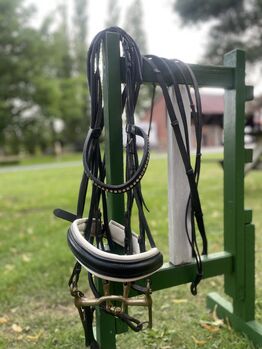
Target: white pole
(178, 189)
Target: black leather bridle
(90, 239)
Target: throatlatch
(93, 240)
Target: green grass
(39, 159)
(35, 262)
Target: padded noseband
(110, 266)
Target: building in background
(212, 111)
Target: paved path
(9, 169)
(54, 165)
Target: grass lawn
(40, 159)
(36, 310)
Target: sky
(165, 35)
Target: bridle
(92, 240)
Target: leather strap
(157, 64)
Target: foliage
(73, 109)
(67, 65)
(35, 262)
(233, 24)
(21, 47)
(134, 24)
(113, 13)
(41, 79)
(77, 126)
(80, 35)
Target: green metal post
(234, 158)
(113, 124)
(107, 326)
(239, 237)
(236, 231)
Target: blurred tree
(73, 106)
(134, 21)
(234, 23)
(41, 77)
(36, 133)
(66, 59)
(79, 83)
(80, 35)
(60, 43)
(113, 13)
(22, 59)
(134, 24)
(66, 82)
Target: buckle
(96, 132)
(131, 129)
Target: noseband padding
(108, 265)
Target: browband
(136, 177)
